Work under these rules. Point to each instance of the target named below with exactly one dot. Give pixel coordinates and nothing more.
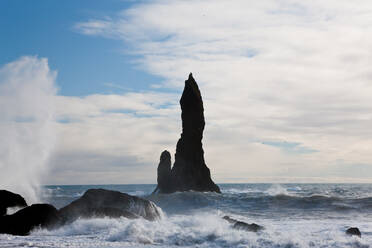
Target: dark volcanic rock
(101, 202)
(354, 231)
(189, 171)
(94, 203)
(164, 172)
(229, 219)
(9, 199)
(26, 219)
(240, 225)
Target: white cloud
(73, 140)
(96, 28)
(114, 138)
(295, 71)
(286, 87)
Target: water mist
(27, 93)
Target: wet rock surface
(94, 203)
(240, 225)
(101, 202)
(354, 231)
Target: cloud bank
(286, 88)
(272, 73)
(114, 138)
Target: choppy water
(294, 215)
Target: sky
(90, 89)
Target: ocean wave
(259, 203)
(198, 230)
(293, 215)
(314, 201)
(181, 202)
(240, 191)
(277, 189)
(137, 193)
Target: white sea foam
(137, 193)
(197, 230)
(240, 191)
(12, 210)
(277, 189)
(299, 221)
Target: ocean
(293, 215)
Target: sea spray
(27, 92)
(277, 189)
(198, 230)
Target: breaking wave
(198, 230)
(294, 216)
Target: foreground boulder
(240, 225)
(9, 200)
(189, 171)
(94, 203)
(354, 231)
(28, 218)
(101, 203)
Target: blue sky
(85, 65)
(286, 93)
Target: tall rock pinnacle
(189, 171)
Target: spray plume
(27, 93)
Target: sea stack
(164, 172)
(189, 171)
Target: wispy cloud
(97, 27)
(290, 147)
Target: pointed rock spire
(189, 171)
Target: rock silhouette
(28, 218)
(9, 199)
(240, 225)
(354, 231)
(164, 172)
(189, 171)
(94, 203)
